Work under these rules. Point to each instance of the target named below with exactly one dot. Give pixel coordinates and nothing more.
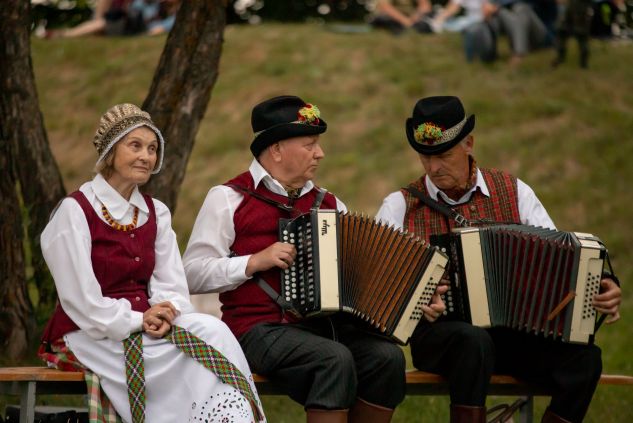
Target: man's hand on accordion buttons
(437, 306)
(279, 254)
(608, 300)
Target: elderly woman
(124, 315)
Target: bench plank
(413, 377)
(28, 382)
(38, 374)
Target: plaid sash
(135, 375)
(193, 347)
(100, 409)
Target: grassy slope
(564, 132)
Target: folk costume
(465, 354)
(111, 260)
(322, 363)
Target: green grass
(566, 132)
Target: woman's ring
(158, 314)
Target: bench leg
(27, 402)
(526, 410)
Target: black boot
(364, 412)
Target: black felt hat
(283, 117)
(437, 124)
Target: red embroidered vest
(123, 263)
(256, 228)
(501, 206)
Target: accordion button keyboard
(592, 288)
(448, 299)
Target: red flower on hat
(309, 114)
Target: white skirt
(177, 388)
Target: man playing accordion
(334, 370)
(467, 355)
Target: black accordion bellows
(351, 263)
(527, 278)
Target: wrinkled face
(451, 169)
(135, 156)
(298, 159)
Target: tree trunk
(177, 101)
(181, 88)
(16, 320)
(23, 128)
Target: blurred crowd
(526, 24)
(121, 17)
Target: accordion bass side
(350, 263)
(531, 279)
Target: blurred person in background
(574, 21)
(397, 16)
(124, 17)
(515, 19)
(457, 15)
(523, 27)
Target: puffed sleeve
(209, 264)
(392, 210)
(531, 209)
(168, 281)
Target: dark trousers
(576, 21)
(467, 356)
(327, 363)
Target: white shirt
(67, 245)
(207, 263)
(531, 211)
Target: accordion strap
(437, 206)
(611, 275)
(277, 298)
(270, 291)
(319, 199)
(284, 207)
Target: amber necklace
(116, 225)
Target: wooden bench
(28, 382)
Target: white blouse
(531, 211)
(66, 244)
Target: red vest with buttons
(123, 263)
(501, 206)
(256, 228)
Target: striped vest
(501, 206)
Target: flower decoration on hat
(428, 133)
(309, 114)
